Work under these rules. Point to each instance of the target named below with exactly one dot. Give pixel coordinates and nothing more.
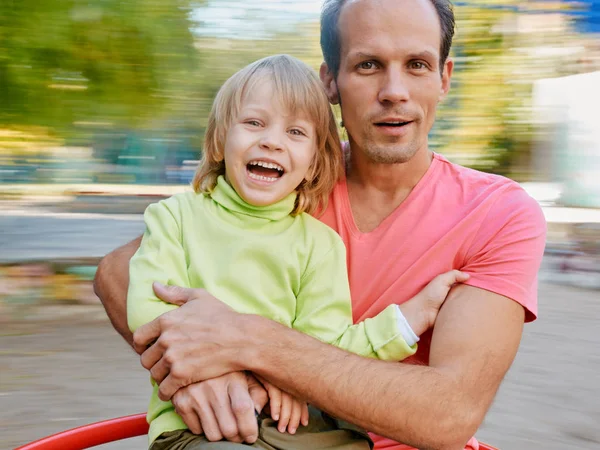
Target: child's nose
(272, 140)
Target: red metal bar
(111, 430)
(93, 434)
(486, 447)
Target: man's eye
(418, 65)
(366, 65)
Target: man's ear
(330, 84)
(446, 79)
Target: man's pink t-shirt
(455, 218)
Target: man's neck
(375, 190)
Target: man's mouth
(396, 123)
(264, 170)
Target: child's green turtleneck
(258, 260)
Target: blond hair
(299, 89)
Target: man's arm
(111, 283)
(440, 406)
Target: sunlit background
(103, 107)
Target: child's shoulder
(183, 199)
(177, 204)
(321, 235)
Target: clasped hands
(196, 354)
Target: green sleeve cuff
(385, 336)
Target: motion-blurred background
(102, 110)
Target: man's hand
(222, 408)
(196, 342)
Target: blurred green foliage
(73, 71)
(67, 61)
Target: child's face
(268, 150)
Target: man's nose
(394, 88)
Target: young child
(272, 156)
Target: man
(405, 215)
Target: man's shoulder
(484, 186)
(472, 178)
(507, 207)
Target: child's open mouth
(264, 170)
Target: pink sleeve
(507, 250)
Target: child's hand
(436, 291)
(421, 311)
(284, 408)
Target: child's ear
(312, 171)
(219, 150)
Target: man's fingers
(191, 419)
(210, 425)
(226, 420)
(243, 408)
(193, 422)
(168, 387)
(146, 335)
(176, 295)
(159, 372)
(151, 356)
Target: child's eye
(297, 132)
(254, 123)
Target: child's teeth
(262, 177)
(267, 165)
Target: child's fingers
(461, 277)
(275, 395)
(452, 277)
(286, 411)
(295, 416)
(305, 414)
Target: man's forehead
(406, 25)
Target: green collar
(228, 198)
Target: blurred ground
(68, 369)
(63, 366)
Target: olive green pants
(322, 433)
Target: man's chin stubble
(379, 155)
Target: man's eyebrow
(363, 55)
(425, 54)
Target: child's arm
(160, 258)
(324, 311)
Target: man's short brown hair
(330, 34)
